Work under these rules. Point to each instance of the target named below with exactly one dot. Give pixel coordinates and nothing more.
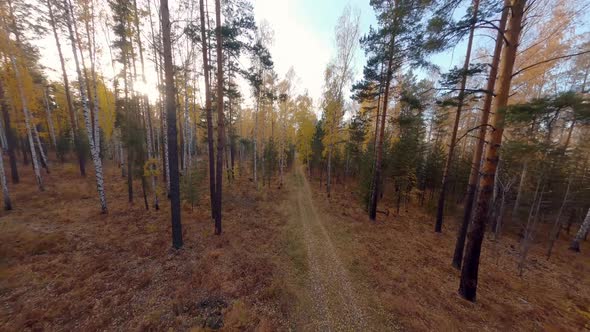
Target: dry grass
(405, 271)
(64, 266)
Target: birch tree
(584, 229)
(94, 149)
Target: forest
(255, 165)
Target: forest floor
(404, 269)
(288, 259)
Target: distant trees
(155, 107)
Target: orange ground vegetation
(64, 266)
(405, 271)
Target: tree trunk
(329, 171)
(44, 161)
(87, 117)
(171, 119)
(477, 154)
(11, 140)
(557, 224)
(256, 140)
(470, 269)
(443, 191)
(208, 110)
(71, 110)
(530, 226)
(379, 141)
(28, 124)
(49, 120)
(5, 193)
(220, 119)
(582, 232)
(523, 175)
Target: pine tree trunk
(171, 119)
(232, 141)
(379, 143)
(208, 111)
(256, 140)
(461, 98)
(582, 232)
(477, 154)
(470, 268)
(220, 119)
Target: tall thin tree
(460, 100)
(479, 145)
(470, 269)
(220, 119)
(172, 135)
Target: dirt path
(336, 306)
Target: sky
(304, 36)
(303, 39)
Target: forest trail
(336, 306)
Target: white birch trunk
(94, 149)
(50, 120)
(584, 228)
(41, 151)
(520, 189)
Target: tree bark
(461, 98)
(49, 120)
(171, 119)
(208, 110)
(220, 120)
(521, 184)
(11, 140)
(477, 154)
(71, 110)
(557, 224)
(28, 124)
(87, 117)
(582, 232)
(470, 269)
(5, 193)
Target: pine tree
(470, 268)
(172, 134)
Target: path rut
(336, 306)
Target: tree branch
(549, 60)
